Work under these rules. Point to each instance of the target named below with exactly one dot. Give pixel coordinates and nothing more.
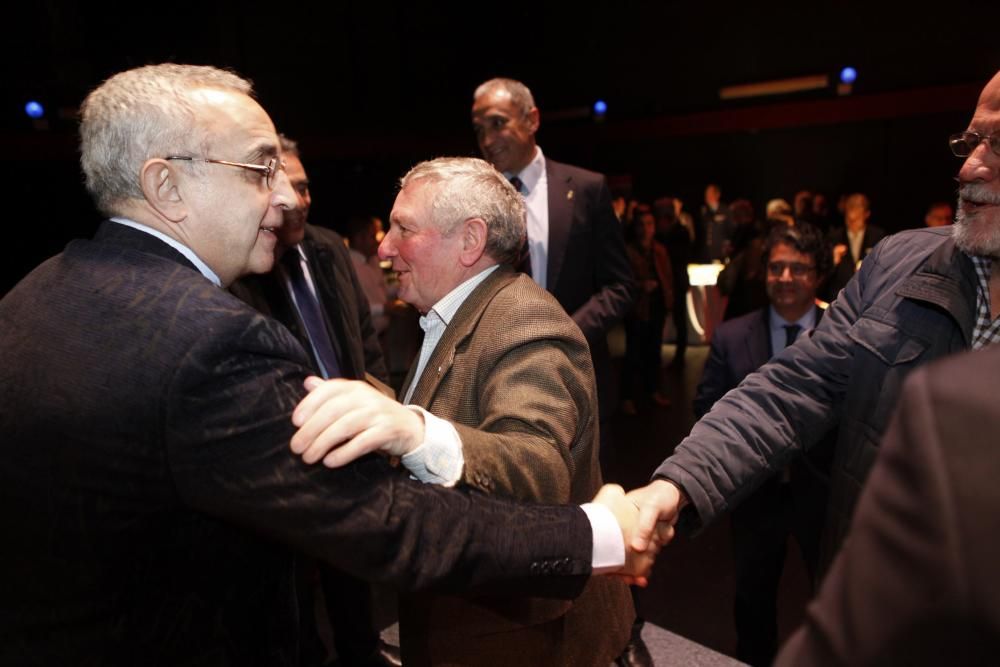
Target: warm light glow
(776, 87)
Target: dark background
(369, 88)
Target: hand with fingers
(342, 420)
(638, 562)
(659, 504)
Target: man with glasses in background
(790, 503)
(920, 295)
(151, 506)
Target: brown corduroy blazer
(513, 373)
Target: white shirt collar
(533, 173)
(175, 244)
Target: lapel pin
(569, 194)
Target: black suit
(588, 271)
(763, 522)
(344, 304)
(347, 318)
(150, 505)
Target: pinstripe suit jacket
(513, 373)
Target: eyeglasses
(269, 170)
(797, 269)
(963, 143)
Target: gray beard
(973, 236)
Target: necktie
(523, 263)
(791, 333)
(312, 317)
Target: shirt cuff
(439, 458)
(609, 545)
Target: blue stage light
(600, 107)
(848, 75)
(34, 109)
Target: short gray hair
(520, 95)
(140, 114)
(472, 188)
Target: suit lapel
(758, 339)
(561, 199)
(459, 329)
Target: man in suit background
(150, 503)
(917, 583)
(791, 503)
(575, 248)
(851, 243)
(349, 342)
(505, 386)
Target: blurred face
(855, 213)
(712, 195)
(294, 228)
(425, 259)
(977, 219)
(791, 280)
(647, 230)
(505, 134)
(939, 216)
(232, 216)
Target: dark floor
(690, 593)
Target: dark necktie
(312, 317)
(791, 333)
(524, 261)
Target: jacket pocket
(892, 345)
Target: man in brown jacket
(502, 398)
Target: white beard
(979, 233)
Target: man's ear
(474, 233)
(534, 119)
(158, 180)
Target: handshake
(340, 420)
(646, 517)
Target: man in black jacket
(151, 505)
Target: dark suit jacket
(847, 265)
(345, 306)
(513, 374)
(587, 270)
(149, 503)
(917, 581)
(739, 347)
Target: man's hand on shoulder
(342, 420)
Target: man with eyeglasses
(152, 509)
(920, 295)
(791, 502)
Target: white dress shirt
(535, 188)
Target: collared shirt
(778, 323)
(986, 330)
(535, 188)
(176, 245)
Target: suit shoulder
(326, 237)
(739, 326)
(563, 170)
